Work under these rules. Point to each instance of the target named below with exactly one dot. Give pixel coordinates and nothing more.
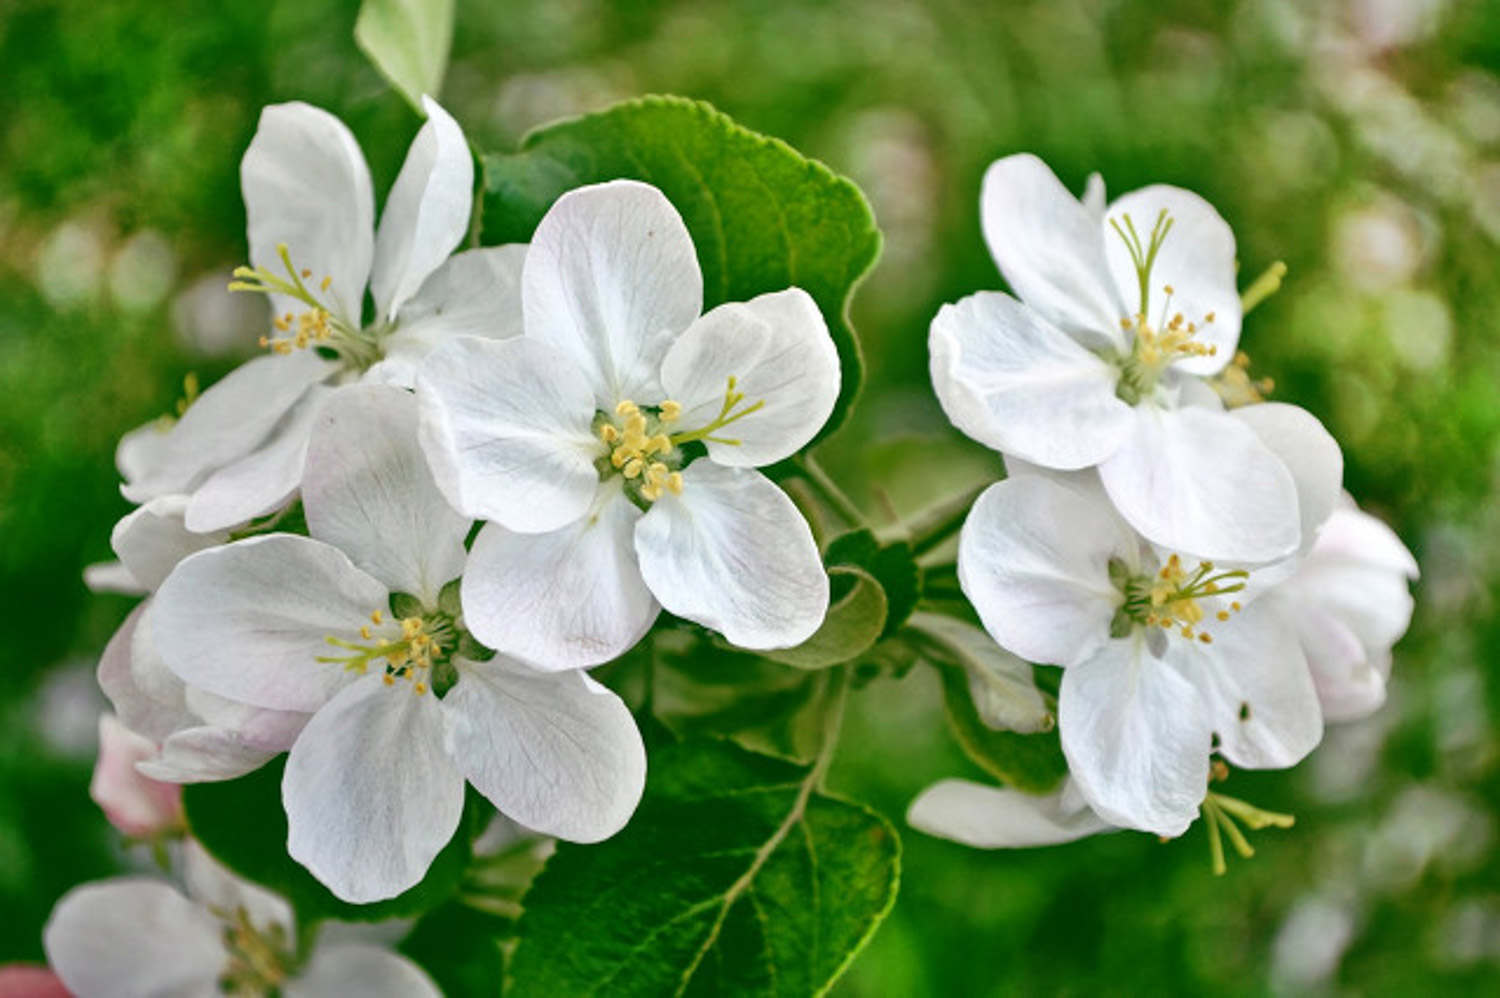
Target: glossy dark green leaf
(735, 877)
(892, 565)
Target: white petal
(1137, 737)
(777, 349)
(154, 681)
(306, 185)
(138, 806)
(475, 293)
(556, 752)
(249, 621)
(360, 969)
(152, 539)
(111, 577)
(1046, 244)
(151, 715)
(1350, 678)
(1309, 452)
(734, 554)
(133, 936)
(427, 212)
(988, 817)
(263, 481)
(1015, 382)
(1197, 260)
(1257, 686)
(561, 600)
(1033, 558)
(367, 491)
(210, 883)
(257, 727)
(371, 795)
(228, 421)
(611, 280)
(204, 754)
(142, 450)
(507, 426)
(1201, 482)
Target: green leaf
(1001, 686)
(734, 877)
(408, 41)
(461, 948)
(241, 822)
(705, 690)
(1033, 763)
(762, 216)
(892, 565)
(853, 624)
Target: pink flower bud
(20, 980)
(135, 804)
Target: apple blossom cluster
(1182, 548)
(393, 545)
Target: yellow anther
(670, 411)
(419, 688)
(1208, 318)
(674, 483)
(1187, 631)
(376, 617)
(1206, 638)
(1222, 615)
(626, 407)
(327, 280)
(633, 467)
(1235, 606)
(1168, 289)
(659, 444)
(609, 433)
(366, 633)
(306, 273)
(388, 679)
(411, 626)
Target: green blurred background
(1357, 140)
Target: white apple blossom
(1350, 602)
(358, 625)
(138, 937)
(238, 449)
(613, 446)
(1124, 311)
(1162, 662)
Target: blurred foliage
(1357, 140)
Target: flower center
(259, 961)
(417, 649)
(1169, 599)
(642, 449)
(1172, 337)
(1236, 387)
(318, 327)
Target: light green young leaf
(1033, 763)
(763, 217)
(408, 41)
(853, 624)
(1001, 685)
(734, 877)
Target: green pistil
(726, 416)
(259, 962)
(1219, 814)
(1143, 256)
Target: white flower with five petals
(613, 446)
(404, 709)
(238, 450)
(1160, 658)
(1124, 310)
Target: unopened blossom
(1122, 312)
(237, 449)
(613, 446)
(1351, 601)
(1164, 656)
(988, 817)
(359, 626)
(134, 803)
(134, 937)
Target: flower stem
(829, 490)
